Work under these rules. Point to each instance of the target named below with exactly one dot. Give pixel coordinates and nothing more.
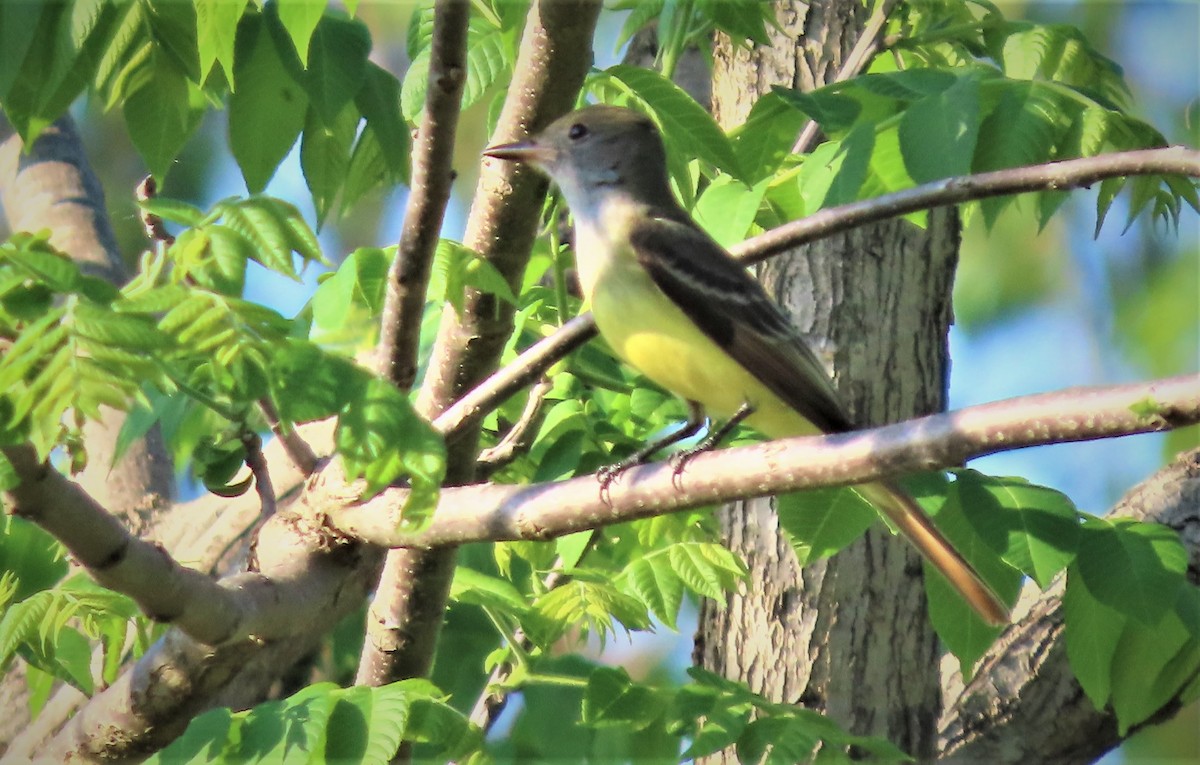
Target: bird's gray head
(597, 151)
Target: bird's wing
(717, 293)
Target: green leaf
(203, 741)
(325, 157)
(685, 123)
(835, 171)
(35, 557)
(1136, 568)
(300, 19)
(159, 115)
(613, 699)
(1151, 664)
(908, 84)
(379, 102)
(938, 134)
(1092, 633)
(727, 208)
(354, 290)
(591, 608)
(173, 210)
(308, 383)
(767, 136)
(412, 92)
(9, 478)
(489, 61)
(457, 267)
(1020, 130)
(834, 112)
(471, 586)
(381, 438)
(652, 580)
(266, 111)
(68, 41)
(263, 224)
(52, 268)
(230, 252)
(19, 24)
(337, 66)
(707, 569)
(125, 331)
(820, 522)
(743, 21)
(1034, 528)
(216, 31)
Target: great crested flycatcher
(672, 303)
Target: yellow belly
(653, 335)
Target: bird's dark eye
(577, 131)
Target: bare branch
(307, 582)
(531, 364)
(1024, 702)
(519, 438)
(261, 472)
(432, 175)
(297, 449)
(476, 513)
(117, 559)
(1068, 174)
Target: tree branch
(432, 175)
(1058, 176)
(1024, 703)
(117, 559)
(408, 277)
(531, 364)
(307, 583)
(51, 184)
(542, 511)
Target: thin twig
(531, 364)
(493, 698)
(1057, 176)
(869, 43)
(543, 511)
(261, 472)
(296, 448)
(520, 436)
(156, 230)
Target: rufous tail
(903, 511)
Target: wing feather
(731, 307)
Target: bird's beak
(521, 151)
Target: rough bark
(849, 636)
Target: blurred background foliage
(1036, 309)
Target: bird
(673, 304)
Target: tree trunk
(849, 636)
